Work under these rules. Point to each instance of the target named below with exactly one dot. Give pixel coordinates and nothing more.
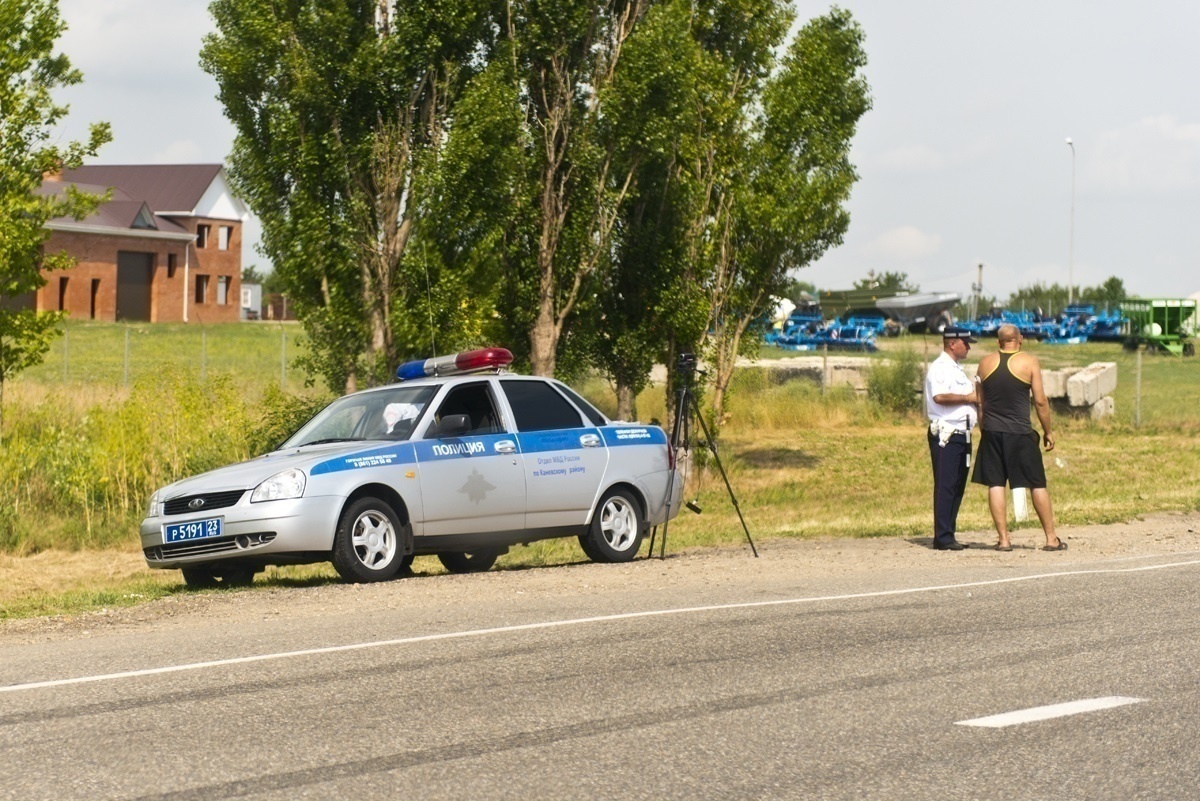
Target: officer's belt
(944, 431)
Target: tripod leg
(678, 425)
(712, 447)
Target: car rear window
(538, 407)
(589, 411)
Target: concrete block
(1105, 407)
(1092, 383)
(1054, 382)
(840, 376)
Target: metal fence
(118, 354)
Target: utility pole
(977, 290)
(1071, 243)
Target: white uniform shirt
(946, 377)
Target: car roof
(460, 378)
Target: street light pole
(1071, 243)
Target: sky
(962, 160)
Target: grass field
(801, 464)
(107, 355)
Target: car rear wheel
(617, 528)
(366, 546)
(473, 562)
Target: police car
(459, 458)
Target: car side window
(538, 407)
(475, 401)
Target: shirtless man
(1008, 447)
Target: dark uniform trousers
(949, 483)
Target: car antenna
(429, 300)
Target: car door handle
(506, 446)
(589, 441)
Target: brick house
(167, 246)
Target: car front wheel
(367, 547)
(616, 530)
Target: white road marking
(550, 624)
(1047, 712)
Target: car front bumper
(249, 531)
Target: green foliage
(83, 478)
(278, 417)
(1052, 299)
(895, 282)
(341, 107)
(590, 183)
(895, 385)
(784, 188)
(30, 71)
(25, 337)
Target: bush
(895, 384)
(80, 476)
(279, 416)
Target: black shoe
(954, 546)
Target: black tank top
(1005, 400)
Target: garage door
(134, 272)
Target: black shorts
(1013, 459)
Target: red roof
(164, 187)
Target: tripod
(685, 408)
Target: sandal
(1062, 546)
(1000, 547)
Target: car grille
(212, 500)
(180, 550)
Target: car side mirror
(451, 425)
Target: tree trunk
(626, 402)
(543, 341)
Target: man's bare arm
(1040, 403)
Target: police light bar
(466, 362)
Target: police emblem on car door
(471, 474)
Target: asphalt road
(848, 687)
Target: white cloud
(143, 41)
(905, 243)
(926, 158)
(1154, 154)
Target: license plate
(192, 530)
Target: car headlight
(153, 510)
(288, 484)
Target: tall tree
(341, 108)
(888, 281)
(644, 296)
(779, 201)
(567, 54)
(30, 71)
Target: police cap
(954, 332)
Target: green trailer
(1167, 324)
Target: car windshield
(385, 414)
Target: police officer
(950, 403)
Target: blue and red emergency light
(466, 362)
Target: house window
(95, 296)
(201, 288)
(171, 265)
(224, 234)
(62, 294)
(222, 290)
(202, 233)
